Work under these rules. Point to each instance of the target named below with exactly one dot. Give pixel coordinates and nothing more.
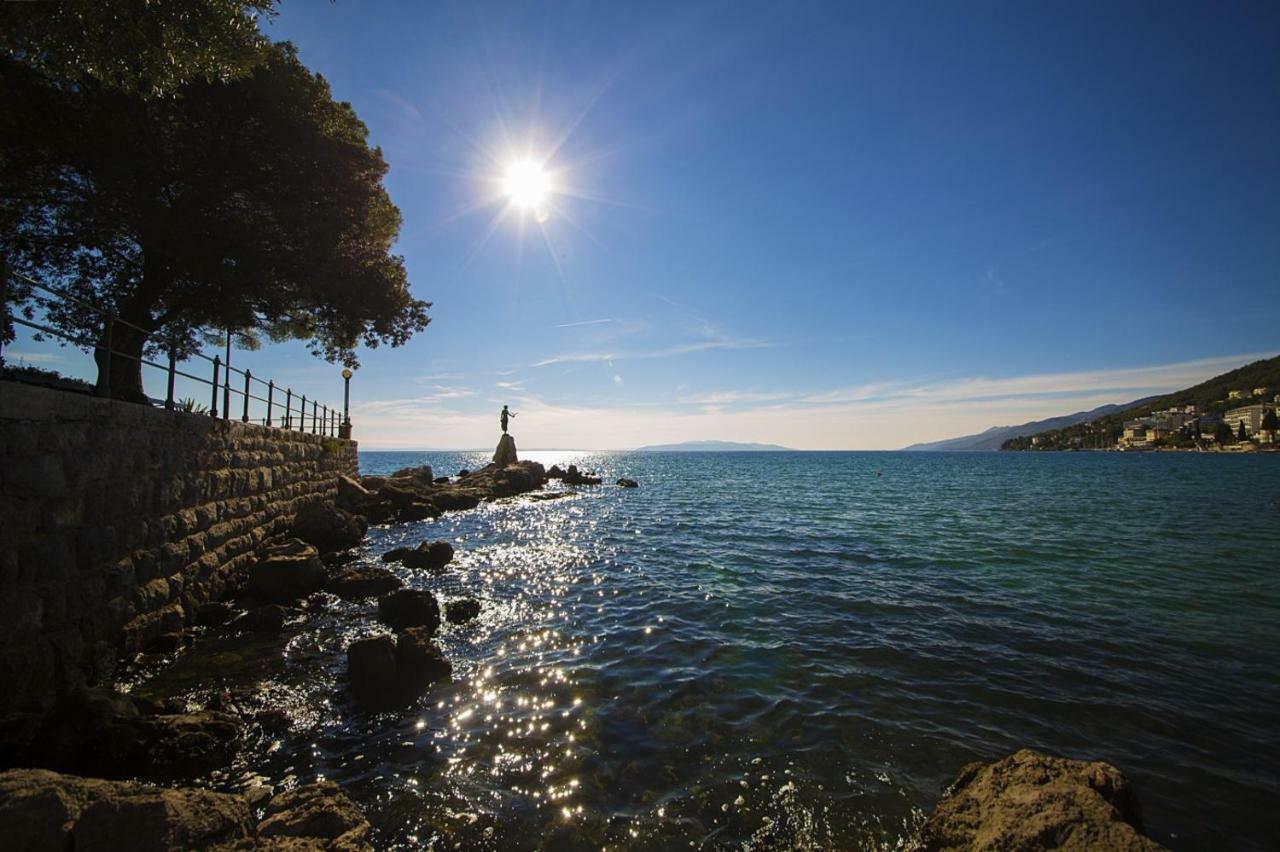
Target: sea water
(799, 650)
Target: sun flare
(527, 185)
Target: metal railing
(290, 413)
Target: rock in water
(430, 555)
(328, 527)
(462, 610)
(365, 581)
(628, 483)
(287, 571)
(409, 608)
(1032, 801)
(506, 452)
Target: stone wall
(117, 520)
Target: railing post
(4, 300)
(173, 363)
(213, 403)
(302, 414)
(288, 408)
(324, 420)
(247, 378)
(104, 372)
(315, 407)
(271, 390)
(226, 382)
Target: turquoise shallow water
(799, 650)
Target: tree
(1269, 420)
(1241, 434)
(254, 205)
(146, 47)
(1222, 433)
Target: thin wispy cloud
(583, 322)
(644, 354)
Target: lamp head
(346, 374)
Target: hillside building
(1250, 415)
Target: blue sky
(826, 226)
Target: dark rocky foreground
(84, 773)
(102, 754)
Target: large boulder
(387, 671)
(363, 581)
(371, 666)
(1031, 801)
(409, 608)
(328, 527)
(287, 571)
(42, 810)
(505, 453)
(321, 811)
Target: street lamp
(344, 431)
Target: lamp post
(344, 431)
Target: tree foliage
(150, 48)
(250, 205)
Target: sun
(528, 186)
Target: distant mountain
(994, 437)
(712, 447)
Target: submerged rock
(287, 571)
(328, 527)
(628, 483)
(1031, 801)
(365, 581)
(409, 608)
(462, 610)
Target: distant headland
(713, 447)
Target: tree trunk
(120, 372)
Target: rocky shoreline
(105, 769)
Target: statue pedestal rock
(506, 452)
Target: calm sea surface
(801, 650)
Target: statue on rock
(506, 452)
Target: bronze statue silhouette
(503, 418)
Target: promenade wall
(118, 520)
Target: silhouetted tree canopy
(1270, 422)
(254, 204)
